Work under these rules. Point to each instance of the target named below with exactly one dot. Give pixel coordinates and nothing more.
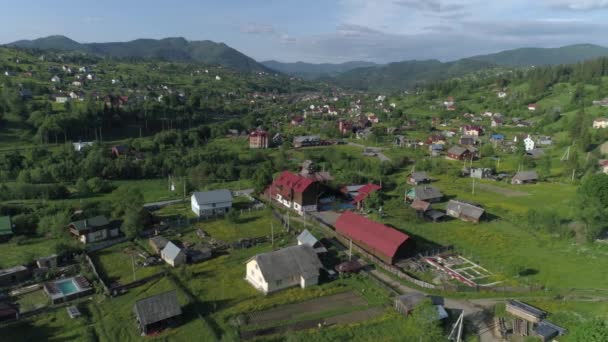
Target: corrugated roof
(214, 196)
(157, 308)
(384, 239)
(365, 191)
(288, 182)
(306, 238)
(420, 176)
(526, 176)
(300, 261)
(427, 192)
(94, 222)
(465, 208)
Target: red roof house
(296, 191)
(364, 192)
(386, 243)
(258, 139)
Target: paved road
(376, 150)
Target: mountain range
(357, 74)
(173, 49)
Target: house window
(279, 282)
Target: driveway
(376, 150)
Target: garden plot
(461, 269)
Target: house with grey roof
(425, 193)
(287, 267)
(95, 229)
(211, 203)
(524, 177)
(465, 211)
(418, 177)
(158, 312)
(306, 238)
(14, 275)
(173, 255)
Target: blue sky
(321, 30)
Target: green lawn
(115, 264)
(16, 254)
(33, 300)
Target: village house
(406, 304)
(529, 143)
(55, 79)
(600, 123)
(157, 243)
(297, 121)
(173, 255)
(436, 149)
(120, 150)
(95, 229)
(296, 192)
(156, 313)
(459, 153)
(81, 145)
(525, 311)
(524, 177)
(468, 140)
(471, 130)
(306, 141)
(602, 103)
(418, 177)
(345, 127)
(25, 94)
(48, 262)
(211, 203)
(363, 193)
(385, 243)
(425, 193)
(496, 122)
(604, 165)
(373, 118)
(480, 173)
(464, 211)
(14, 275)
(306, 238)
(436, 139)
(6, 228)
(61, 98)
(284, 268)
(502, 94)
(258, 139)
(532, 107)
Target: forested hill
(545, 56)
(170, 49)
(403, 75)
(313, 71)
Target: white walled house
(173, 255)
(287, 267)
(529, 144)
(211, 203)
(600, 123)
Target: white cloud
(581, 5)
(257, 28)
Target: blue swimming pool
(67, 287)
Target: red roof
(288, 182)
(381, 238)
(259, 133)
(365, 191)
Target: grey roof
(94, 222)
(527, 308)
(157, 308)
(427, 192)
(159, 241)
(306, 238)
(465, 208)
(215, 196)
(300, 261)
(457, 150)
(14, 269)
(304, 138)
(171, 251)
(526, 176)
(419, 176)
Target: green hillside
(545, 56)
(171, 49)
(312, 71)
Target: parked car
(352, 266)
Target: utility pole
(473, 186)
(350, 250)
(573, 172)
(184, 187)
(272, 233)
(133, 265)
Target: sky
(320, 31)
